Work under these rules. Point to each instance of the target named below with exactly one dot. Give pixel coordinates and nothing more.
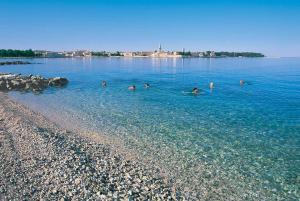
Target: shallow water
(234, 142)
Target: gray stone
(58, 82)
(77, 181)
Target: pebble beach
(40, 161)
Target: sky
(271, 27)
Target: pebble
(77, 181)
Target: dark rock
(58, 82)
(3, 85)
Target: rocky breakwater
(14, 63)
(18, 82)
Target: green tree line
(100, 54)
(185, 53)
(238, 54)
(106, 54)
(17, 53)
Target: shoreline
(39, 160)
(130, 57)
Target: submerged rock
(58, 82)
(29, 83)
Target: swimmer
(195, 91)
(146, 85)
(132, 88)
(211, 85)
(242, 82)
(104, 84)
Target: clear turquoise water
(230, 143)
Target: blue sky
(268, 26)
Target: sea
(232, 142)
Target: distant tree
(100, 54)
(238, 54)
(17, 53)
(185, 53)
(117, 54)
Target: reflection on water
(229, 143)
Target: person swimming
(242, 82)
(211, 85)
(104, 84)
(195, 91)
(132, 88)
(146, 85)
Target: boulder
(8, 76)
(28, 86)
(3, 85)
(57, 82)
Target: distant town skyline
(269, 26)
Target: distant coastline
(9, 53)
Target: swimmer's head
(132, 88)
(195, 90)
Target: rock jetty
(18, 82)
(40, 161)
(14, 63)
